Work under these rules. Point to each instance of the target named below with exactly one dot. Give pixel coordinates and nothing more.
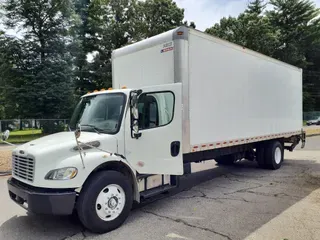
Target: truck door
(159, 148)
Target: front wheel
(105, 201)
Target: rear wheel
(105, 201)
(274, 153)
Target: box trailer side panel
(235, 93)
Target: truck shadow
(243, 186)
(39, 227)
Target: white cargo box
(231, 95)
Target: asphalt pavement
(237, 202)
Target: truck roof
(148, 42)
(175, 34)
(103, 91)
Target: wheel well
(119, 167)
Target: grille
(23, 167)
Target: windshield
(99, 113)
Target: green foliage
(298, 24)
(298, 29)
(158, 16)
(190, 25)
(40, 81)
(49, 127)
(250, 29)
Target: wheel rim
(110, 202)
(277, 155)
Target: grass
(26, 132)
(22, 136)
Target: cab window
(155, 109)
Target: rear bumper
(41, 200)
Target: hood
(65, 140)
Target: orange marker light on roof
(124, 87)
(110, 88)
(102, 89)
(95, 91)
(88, 92)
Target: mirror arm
(137, 135)
(11, 144)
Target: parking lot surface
(237, 202)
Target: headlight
(62, 173)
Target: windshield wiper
(97, 130)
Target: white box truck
(188, 97)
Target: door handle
(175, 148)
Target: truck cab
(115, 137)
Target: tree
(191, 25)
(10, 77)
(298, 27)
(228, 29)
(158, 16)
(81, 46)
(105, 25)
(250, 29)
(44, 66)
(256, 7)
(298, 23)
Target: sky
(205, 13)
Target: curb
(312, 132)
(5, 173)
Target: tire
(108, 188)
(274, 152)
(225, 160)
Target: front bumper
(42, 200)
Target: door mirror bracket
(134, 97)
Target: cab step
(156, 191)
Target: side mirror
(5, 135)
(134, 97)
